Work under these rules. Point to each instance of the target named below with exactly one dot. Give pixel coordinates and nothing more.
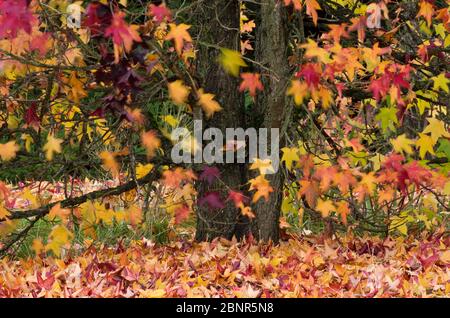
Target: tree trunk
(220, 21)
(272, 53)
(219, 25)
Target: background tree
(365, 148)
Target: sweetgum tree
(358, 90)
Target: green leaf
(388, 118)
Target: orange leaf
(207, 102)
(178, 92)
(8, 150)
(179, 34)
(251, 82)
(151, 142)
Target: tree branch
(73, 202)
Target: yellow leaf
(28, 140)
(4, 213)
(59, 236)
(179, 34)
(425, 144)
(325, 207)
(8, 150)
(441, 82)
(437, 129)
(299, 90)
(314, 51)
(289, 156)
(207, 102)
(445, 257)
(231, 61)
(172, 121)
(53, 145)
(143, 170)
(402, 144)
(178, 92)
(262, 165)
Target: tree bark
(219, 26)
(272, 53)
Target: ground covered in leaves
(304, 267)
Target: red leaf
(98, 17)
(121, 32)
(15, 16)
(209, 174)
(31, 117)
(160, 13)
(237, 197)
(181, 214)
(212, 199)
(46, 283)
(251, 82)
(310, 73)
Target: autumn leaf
(109, 163)
(312, 50)
(208, 104)
(172, 121)
(59, 237)
(248, 26)
(160, 13)
(343, 210)
(310, 190)
(52, 146)
(231, 61)
(178, 92)
(247, 211)
(402, 144)
(8, 150)
(4, 213)
(425, 144)
(173, 178)
(263, 165)
(289, 156)
(76, 89)
(251, 82)
(325, 207)
(151, 142)
(122, 34)
(15, 16)
(426, 10)
(441, 82)
(210, 174)
(58, 211)
(179, 34)
(436, 129)
(237, 197)
(388, 118)
(37, 246)
(181, 214)
(143, 170)
(262, 187)
(299, 90)
(296, 3)
(212, 199)
(134, 213)
(311, 9)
